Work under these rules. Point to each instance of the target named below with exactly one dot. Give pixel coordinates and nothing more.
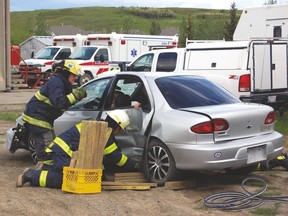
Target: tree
(186, 31)
(41, 27)
(155, 28)
(230, 25)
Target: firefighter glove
(79, 93)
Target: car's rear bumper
(227, 155)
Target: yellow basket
(81, 180)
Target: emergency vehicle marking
(133, 52)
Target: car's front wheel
(31, 144)
(160, 163)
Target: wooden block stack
(93, 138)
(128, 181)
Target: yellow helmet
(71, 66)
(120, 117)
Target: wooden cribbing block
(74, 159)
(128, 187)
(130, 177)
(93, 138)
(177, 185)
(109, 183)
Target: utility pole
(5, 46)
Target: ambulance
(37, 70)
(104, 52)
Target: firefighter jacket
(67, 142)
(49, 102)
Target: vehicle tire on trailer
(84, 79)
(160, 163)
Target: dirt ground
(156, 201)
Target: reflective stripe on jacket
(69, 141)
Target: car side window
(166, 61)
(128, 92)
(63, 54)
(95, 91)
(101, 55)
(144, 63)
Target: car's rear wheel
(160, 163)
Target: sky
(30, 5)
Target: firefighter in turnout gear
(63, 145)
(49, 103)
(280, 161)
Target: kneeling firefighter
(49, 103)
(62, 147)
(280, 161)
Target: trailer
(264, 21)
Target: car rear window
(189, 91)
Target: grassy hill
(208, 24)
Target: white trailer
(264, 21)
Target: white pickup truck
(254, 70)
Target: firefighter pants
(52, 176)
(41, 138)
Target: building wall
(32, 45)
(5, 73)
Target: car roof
(146, 74)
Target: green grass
(263, 211)
(208, 24)
(9, 116)
(282, 124)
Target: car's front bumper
(228, 155)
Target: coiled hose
(237, 201)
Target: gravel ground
(156, 201)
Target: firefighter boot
(25, 177)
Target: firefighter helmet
(71, 66)
(120, 117)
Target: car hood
(245, 120)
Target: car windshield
(83, 53)
(94, 92)
(188, 91)
(46, 53)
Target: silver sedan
(184, 123)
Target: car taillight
(271, 118)
(244, 83)
(207, 127)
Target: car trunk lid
(244, 120)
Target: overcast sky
(30, 5)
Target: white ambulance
(104, 52)
(37, 70)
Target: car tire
(84, 79)
(32, 151)
(160, 163)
